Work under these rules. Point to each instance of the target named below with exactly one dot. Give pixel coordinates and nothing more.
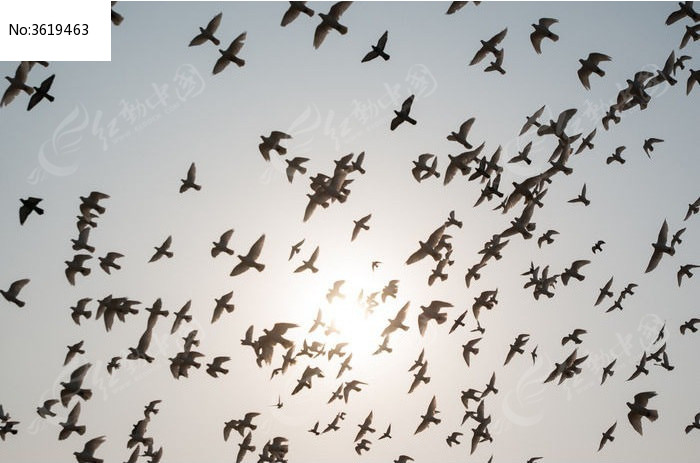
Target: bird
(45, 409)
(272, 142)
(360, 225)
(116, 17)
(76, 266)
(691, 32)
(419, 377)
(403, 114)
(461, 135)
(638, 409)
(113, 364)
(296, 248)
(660, 248)
(573, 271)
(87, 455)
(489, 46)
(295, 165)
(640, 368)
(517, 347)
(330, 21)
(181, 316)
(222, 245)
(690, 325)
(468, 349)
(163, 250)
(378, 49)
(429, 416)
(295, 8)
(649, 145)
(685, 9)
(608, 371)
(422, 170)
(574, 336)
(387, 433)
(230, 54)
(598, 246)
(522, 155)
(245, 447)
(542, 32)
(432, 312)
(496, 65)
(694, 425)
(581, 198)
(314, 429)
(215, 367)
(221, 305)
(397, 322)
(208, 32)
(693, 209)
(41, 92)
(17, 84)
(589, 66)
(532, 121)
(452, 438)
(546, 237)
(693, 78)
(12, 293)
(309, 264)
(74, 386)
(586, 142)
(365, 427)
(189, 182)
(604, 292)
(107, 262)
(71, 424)
(362, 445)
(249, 260)
(73, 351)
(685, 270)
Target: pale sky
(132, 127)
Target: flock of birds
(335, 187)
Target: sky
(131, 127)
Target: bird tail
(197, 187)
(168, 254)
(301, 170)
(385, 56)
(85, 394)
(442, 318)
(239, 62)
(281, 150)
(224, 371)
(80, 430)
(39, 210)
(49, 97)
(215, 40)
(653, 415)
(554, 37)
(411, 120)
(85, 271)
(342, 29)
(19, 303)
(259, 267)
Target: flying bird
(295, 8)
(29, 205)
(429, 417)
(295, 165)
(17, 84)
(222, 245)
(41, 92)
(685, 9)
(208, 32)
(163, 250)
(116, 17)
(581, 198)
(309, 264)
(403, 114)
(360, 225)
(378, 49)
(461, 136)
(590, 66)
(685, 270)
(638, 410)
(489, 46)
(249, 260)
(108, 261)
(660, 248)
(87, 455)
(331, 20)
(542, 32)
(189, 182)
(230, 54)
(273, 143)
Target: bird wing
(635, 420)
(214, 23)
(237, 44)
(382, 40)
(320, 34)
(338, 9)
(255, 250)
(290, 15)
(422, 323)
(18, 285)
(536, 39)
(93, 444)
(406, 106)
(583, 76)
